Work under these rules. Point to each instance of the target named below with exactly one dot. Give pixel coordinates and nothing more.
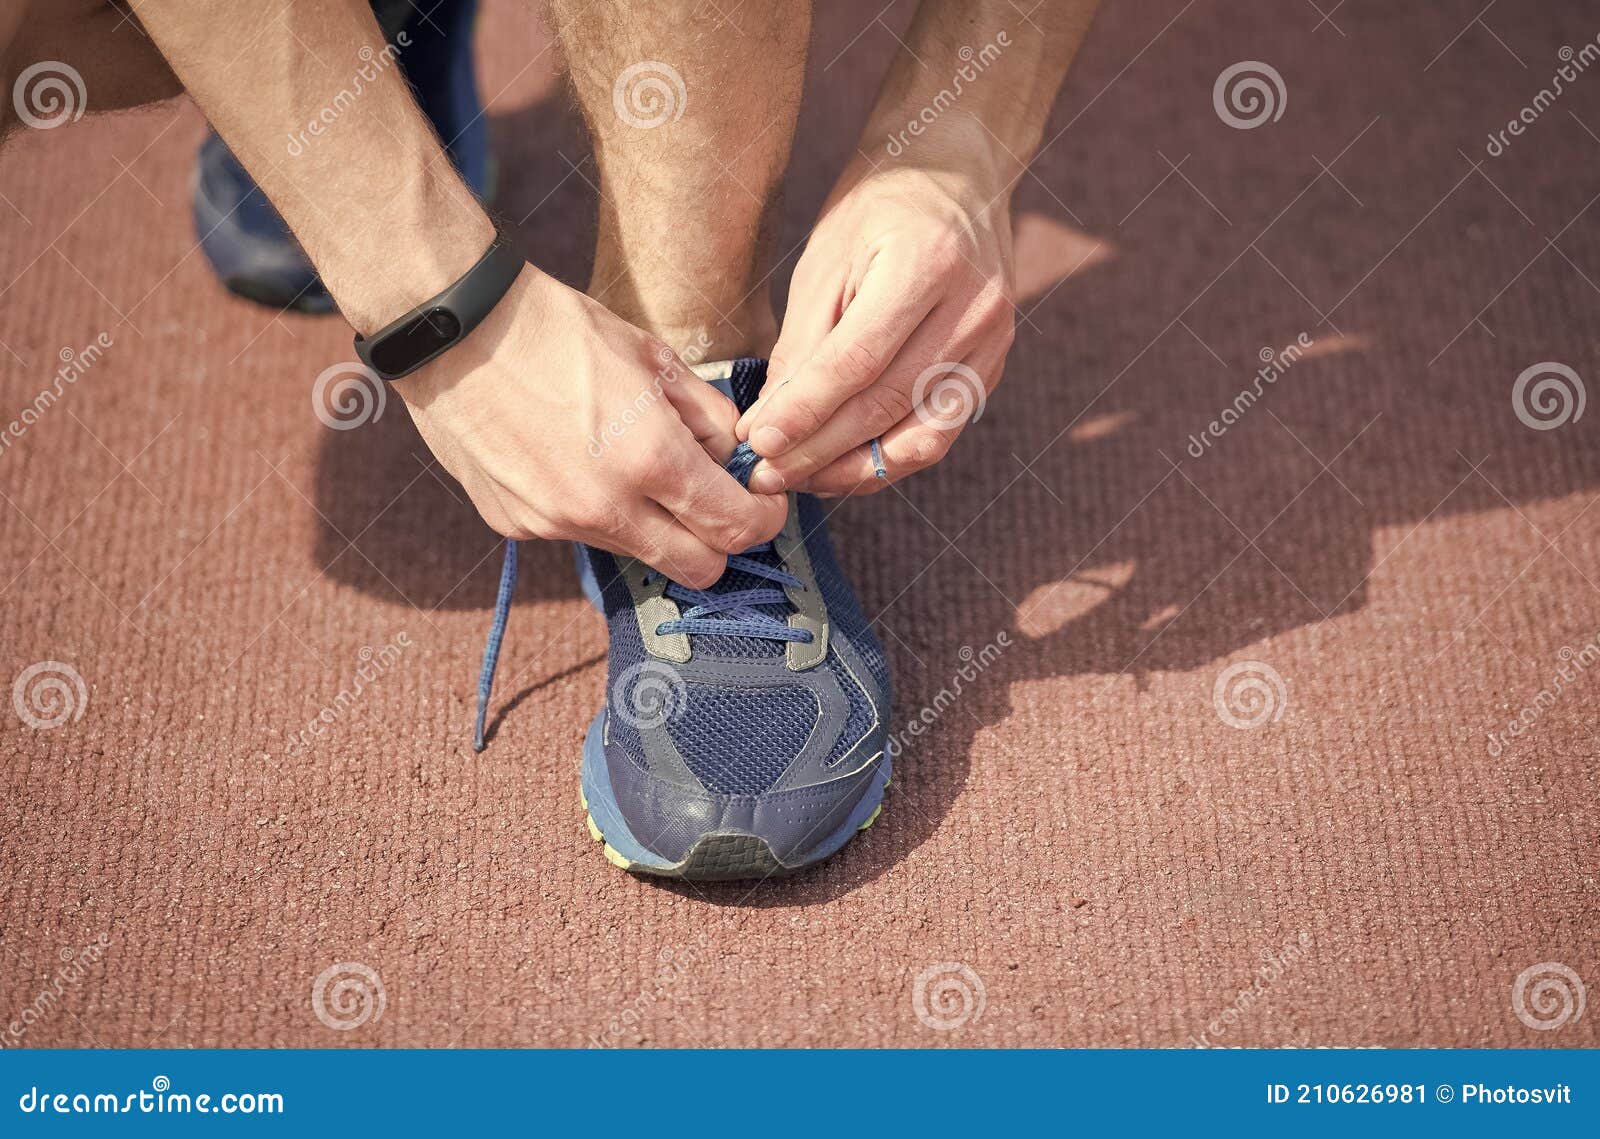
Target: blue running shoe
(745, 726)
(248, 244)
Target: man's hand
(564, 421)
(898, 324)
(560, 419)
(900, 311)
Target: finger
(864, 416)
(879, 319)
(706, 498)
(909, 446)
(708, 414)
(815, 302)
(660, 541)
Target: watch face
(426, 335)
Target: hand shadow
(1073, 517)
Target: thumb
(705, 411)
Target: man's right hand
(560, 419)
(563, 421)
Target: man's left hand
(898, 324)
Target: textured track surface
(1106, 856)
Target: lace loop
(736, 611)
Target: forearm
(976, 77)
(315, 106)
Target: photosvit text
(1415, 1093)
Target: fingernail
(765, 480)
(769, 441)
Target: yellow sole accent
(616, 859)
(594, 831)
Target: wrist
(957, 154)
(404, 251)
(918, 132)
(965, 84)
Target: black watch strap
(433, 327)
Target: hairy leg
(691, 115)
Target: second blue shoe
(245, 240)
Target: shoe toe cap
(790, 827)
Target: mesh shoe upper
(716, 730)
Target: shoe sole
(718, 856)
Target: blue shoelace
(731, 612)
(497, 632)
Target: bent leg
(691, 117)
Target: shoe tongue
(749, 376)
(740, 380)
(739, 465)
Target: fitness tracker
(403, 346)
